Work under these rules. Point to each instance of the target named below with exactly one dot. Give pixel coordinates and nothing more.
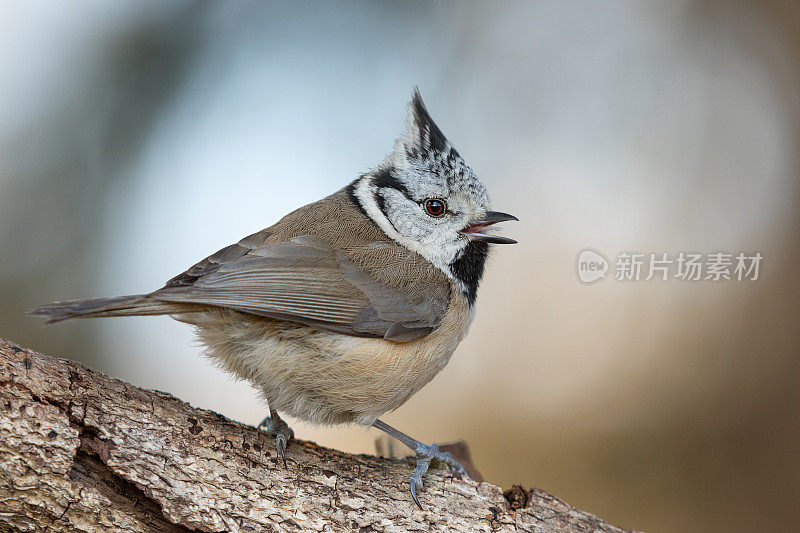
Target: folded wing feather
(306, 280)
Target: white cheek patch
(436, 245)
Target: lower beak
(475, 228)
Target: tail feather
(137, 304)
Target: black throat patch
(468, 268)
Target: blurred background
(138, 137)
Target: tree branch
(80, 451)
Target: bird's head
(425, 196)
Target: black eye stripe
(385, 179)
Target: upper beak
(490, 217)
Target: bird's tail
(133, 305)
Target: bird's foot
(427, 453)
(276, 427)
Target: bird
(348, 306)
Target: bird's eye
(435, 207)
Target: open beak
(475, 229)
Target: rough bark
(80, 451)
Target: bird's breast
(325, 377)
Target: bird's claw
(425, 455)
(416, 477)
(282, 433)
(280, 442)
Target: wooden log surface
(80, 451)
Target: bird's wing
(305, 279)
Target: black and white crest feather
(423, 130)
